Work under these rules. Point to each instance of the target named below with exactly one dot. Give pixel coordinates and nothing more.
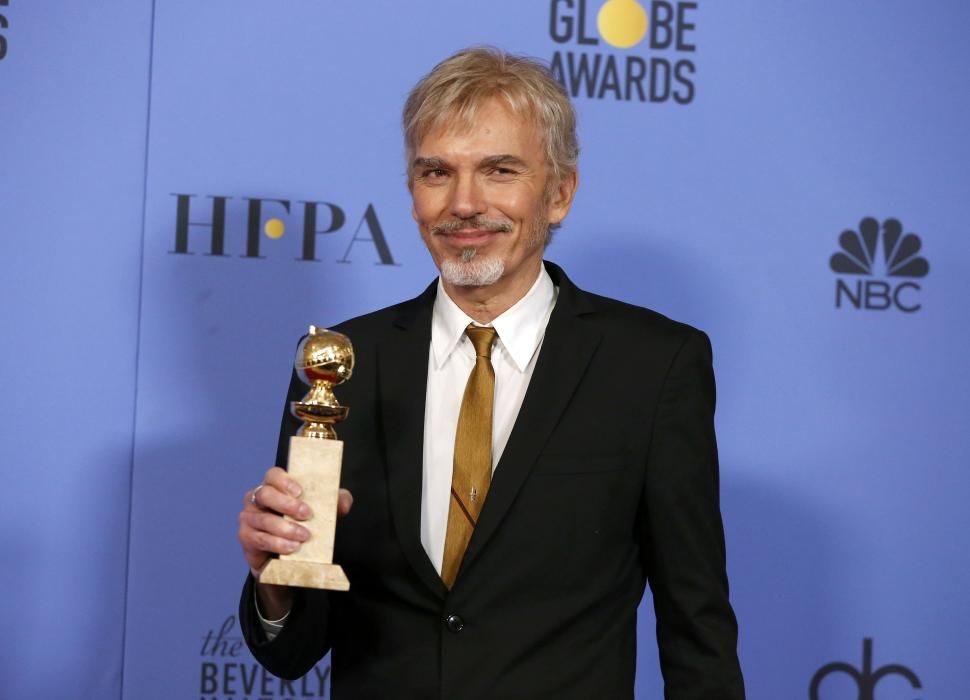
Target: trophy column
(324, 359)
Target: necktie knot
(482, 338)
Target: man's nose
(467, 197)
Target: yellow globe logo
(622, 23)
(274, 228)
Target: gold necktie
(473, 453)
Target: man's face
(480, 199)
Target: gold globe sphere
(324, 359)
(325, 355)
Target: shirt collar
(520, 329)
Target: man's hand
(264, 532)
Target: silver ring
(252, 497)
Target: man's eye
(502, 171)
(434, 173)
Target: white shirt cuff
(271, 628)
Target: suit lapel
(403, 372)
(567, 348)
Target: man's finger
(250, 498)
(282, 481)
(271, 498)
(264, 521)
(257, 541)
(345, 499)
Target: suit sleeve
(683, 538)
(300, 644)
(304, 638)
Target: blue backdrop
(790, 177)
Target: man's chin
(478, 272)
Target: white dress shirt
(450, 361)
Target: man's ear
(561, 198)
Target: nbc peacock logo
(879, 250)
(3, 25)
(655, 42)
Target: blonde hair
(459, 85)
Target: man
(591, 419)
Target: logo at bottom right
(866, 678)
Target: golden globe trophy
(324, 359)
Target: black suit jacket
(609, 480)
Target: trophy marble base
(306, 574)
(315, 464)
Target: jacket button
(454, 623)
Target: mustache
(476, 222)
